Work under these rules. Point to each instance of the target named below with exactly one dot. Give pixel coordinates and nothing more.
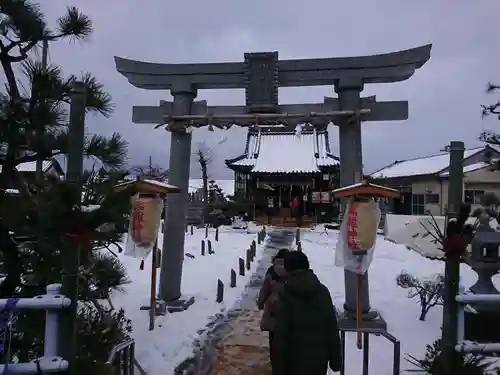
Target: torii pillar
(351, 172)
(176, 209)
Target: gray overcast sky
(445, 95)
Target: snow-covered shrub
(434, 362)
(239, 223)
(428, 291)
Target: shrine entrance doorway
(273, 205)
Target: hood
(303, 283)
(276, 271)
(279, 267)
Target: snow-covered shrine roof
(286, 152)
(427, 165)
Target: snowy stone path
(243, 348)
(171, 347)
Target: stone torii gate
(261, 74)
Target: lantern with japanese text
(362, 223)
(358, 233)
(148, 198)
(144, 225)
(147, 207)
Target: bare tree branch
(204, 158)
(203, 153)
(154, 172)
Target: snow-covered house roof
(49, 165)
(283, 151)
(470, 168)
(430, 165)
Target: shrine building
(280, 165)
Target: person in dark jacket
(306, 335)
(269, 294)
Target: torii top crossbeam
(383, 68)
(261, 74)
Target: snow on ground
(400, 312)
(159, 351)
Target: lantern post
(355, 257)
(151, 188)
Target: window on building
(418, 204)
(240, 182)
(403, 189)
(473, 196)
(432, 198)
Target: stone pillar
(351, 171)
(68, 330)
(176, 209)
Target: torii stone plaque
(261, 74)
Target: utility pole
(71, 257)
(41, 127)
(452, 264)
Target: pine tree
(36, 230)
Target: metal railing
(472, 347)
(366, 332)
(121, 359)
(50, 362)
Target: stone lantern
(485, 258)
(481, 321)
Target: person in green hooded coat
(306, 335)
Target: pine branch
(97, 100)
(23, 27)
(112, 152)
(73, 24)
(491, 109)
